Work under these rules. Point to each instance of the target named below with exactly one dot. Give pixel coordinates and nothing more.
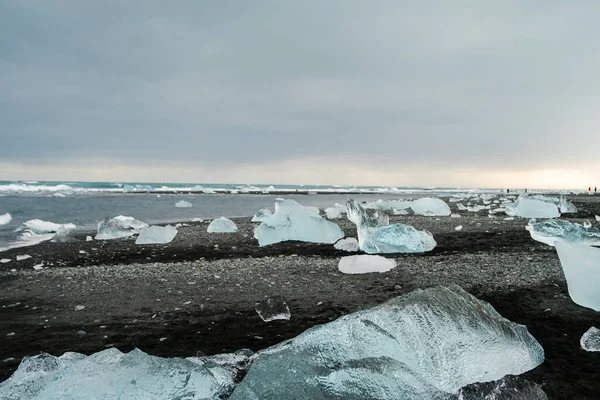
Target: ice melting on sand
(581, 265)
(183, 204)
(590, 341)
(119, 227)
(347, 244)
(157, 235)
(532, 208)
(293, 221)
(273, 308)
(222, 225)
(111, 374)
(5, 218)
(262, 215)
(373, 237)
(424, 345)
(552, 230)
(364, 264)
(430, 206)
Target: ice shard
(221, 225)
(262, 215)
(273, 308)
(430, 206)
(364, 264)
(424, 345)
(374, 238)
(347, 244)
(508, 388)
(581, 265)
(111, 374)
(590, 341)
(119, 227)
(183, 204)
(549, 231)
(527, 207)
(157, 235)
(293, 221)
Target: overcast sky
(473, 93)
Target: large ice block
(397, 238)
(293, 221)
(157, 235)
(430, 206)
(424, 345)
(551, 230)
(119, 227)
(527, 207)
(581, 265)
(221, 225)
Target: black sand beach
(197, 293)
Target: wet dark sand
(137, 295)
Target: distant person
(507, 191)
(595, 190)
(525, 190)
(590, 190)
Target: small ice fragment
(5, 219)
(279, 199)
(430, 206)
(82, 252)
(590, 341)
(509, 218)
(5, 260)
(183, 204)
(363, 264)
(581, 266)
(79, 308)
(88, 238)
(458, 228)
(221, 225)
(273, 308)
(23, 257)
(347, 244)
(157, 235)
(10, 334)
(262, 215)
(598, 218)
(587, 224)
(38, 267)
(455, 215)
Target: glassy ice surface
(363, 264)
(347, 244)
(552, 230)
(424, 345)
(566, 207)
(293, 221)
(273, 308)
(119, 227)
(590, 341)
(221, 225)
(430, 206)
(581, 265)
(5, 218)
(64, 235)
(157, 235)
(508, 388)
(111, 374)
(527, 207)
(261, 215)
(335, 212)
(183, 204)
(397, 238)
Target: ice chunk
(39, 266)
(598, 218)
(197, 219)
(388, 205)
(222, 225)
(64, 235)
(508, 388)
(424, 345)
(335, 212)
(119, 227)
(293, 221)
(590, 341)
(23, 257)
(552, 230)
(348, 244)
(38, 226)
(273, 308)
(262, 215)
(458, 228)
(111, 374)
(157, 235)
(587, 224)
(581, 265)
(531, 208)
(183, 204)
(88, 238)
(461, 207)
(364, 264)
(430, 206)
(566, 207)
(5, 218)
(455, 216)
(397, 238)
(5, 260)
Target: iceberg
(183, 204)
(531, 208)
(157, 235)
(590, 341)
(424, 345)
(119, 227)
(222, 225)
(374, 238)
(430, 206)
(111, 374)
(508, 388)
(364, 264)
(5, 218)
(348, 244)
(261, 215)
(293, 221)
(581, 265)
(551, 230)
(273, 308)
